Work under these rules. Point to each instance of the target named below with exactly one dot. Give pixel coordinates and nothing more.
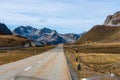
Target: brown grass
(101, 33)
(7, 56)
(12, 40)
(98, 48)
(95, 64)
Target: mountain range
(45, 35)
(108, 32)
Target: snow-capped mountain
(45, 35)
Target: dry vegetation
(12, 40)
(95, 59)
(101, 33)
(7, 56)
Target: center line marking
(39, 61)
(28, 68)
(45, 58)
(84, 79)
(12, 79)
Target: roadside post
(78, 67)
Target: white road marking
(84, 79)
(39, 61)
(12, 79)
(28, 68)
(46, 58)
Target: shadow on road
(27, 78)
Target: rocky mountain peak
(113, 20)
(25, 30)
(45, 35)
(46, 30)
(4, 30)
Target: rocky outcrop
(4, 30)
(108, 32)
(113, 20)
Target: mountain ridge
(45, 35)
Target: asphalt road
(50, 65)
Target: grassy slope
(11, 40)
(99, 52)
(100, 48)
(101, 33)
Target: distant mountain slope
(101, 33)
(109, 32)
(45, 35)
(12, 41)
(4, 30)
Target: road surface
(50, 65)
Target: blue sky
(65, 16)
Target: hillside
(7, 39)
(12, 41)
(103, 33)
